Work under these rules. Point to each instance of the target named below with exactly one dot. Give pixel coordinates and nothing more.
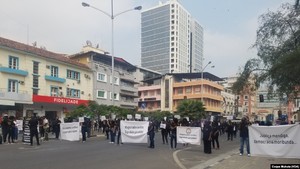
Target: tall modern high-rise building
(172, 41)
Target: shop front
(52, 107)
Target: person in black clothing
(229, 131)
(173, 134)
(11, 126)
(215, 134)
(151, 133)
(244, 135)
(56, 127)
(164, 132)
(33, 124)
(4, 126)
(207, 132)
(84, 130)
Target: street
(97, 153)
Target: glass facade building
(172, 41)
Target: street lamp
(202, 81)
(112, 16)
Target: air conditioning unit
(87, 76)
(21, 82)
(78, 81)
(48, 66)
(82, 92)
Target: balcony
(10, 98)
(55, 79)
(13, 71)
(126, 93)
(128, 88)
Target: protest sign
(191, 135)
(134, 131)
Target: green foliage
(193, 109)
(277, 43)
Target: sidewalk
(227, 157)
(244, 162)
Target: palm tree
(193, 109)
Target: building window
(197, 89)
(73, 93)
(246, 103)
(13, 86)
(246, 97)
(35, 68)
(145, 93)
(73, 75)
(35, 81)
(180, 91)
(13, 62)
(116, 96)
(101, 77)
(35, 91)
(54, 71)
(101, 94)
(116, 80)
(54, 91)
(188, 90)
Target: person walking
(215, 135)
(151, 133)
(207, 132)
(244, 136)
(113, 130)
(33, 124)
(46, 128)
(173, 135)
(229, 130)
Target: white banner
(275, 141)
(191, 135)
(19, 124)
(138, 116)
(134, 131)
(69, 131)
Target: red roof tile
(40, 52)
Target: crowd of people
(40, 128)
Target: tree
(278, 45)
(193, 109)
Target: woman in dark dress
(207, 132)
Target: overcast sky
(64, 26)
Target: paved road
(98, 153)
(94, 154)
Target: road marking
(177, 160)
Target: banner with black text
(191, 135)
(134, 131)
(69, 131)
(275, 141)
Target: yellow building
(34, 80)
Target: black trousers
(164, 135)
(35, 133)
(215, 138)
(207, 146)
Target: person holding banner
(164, 132)
(151, 133)
(244, 136)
